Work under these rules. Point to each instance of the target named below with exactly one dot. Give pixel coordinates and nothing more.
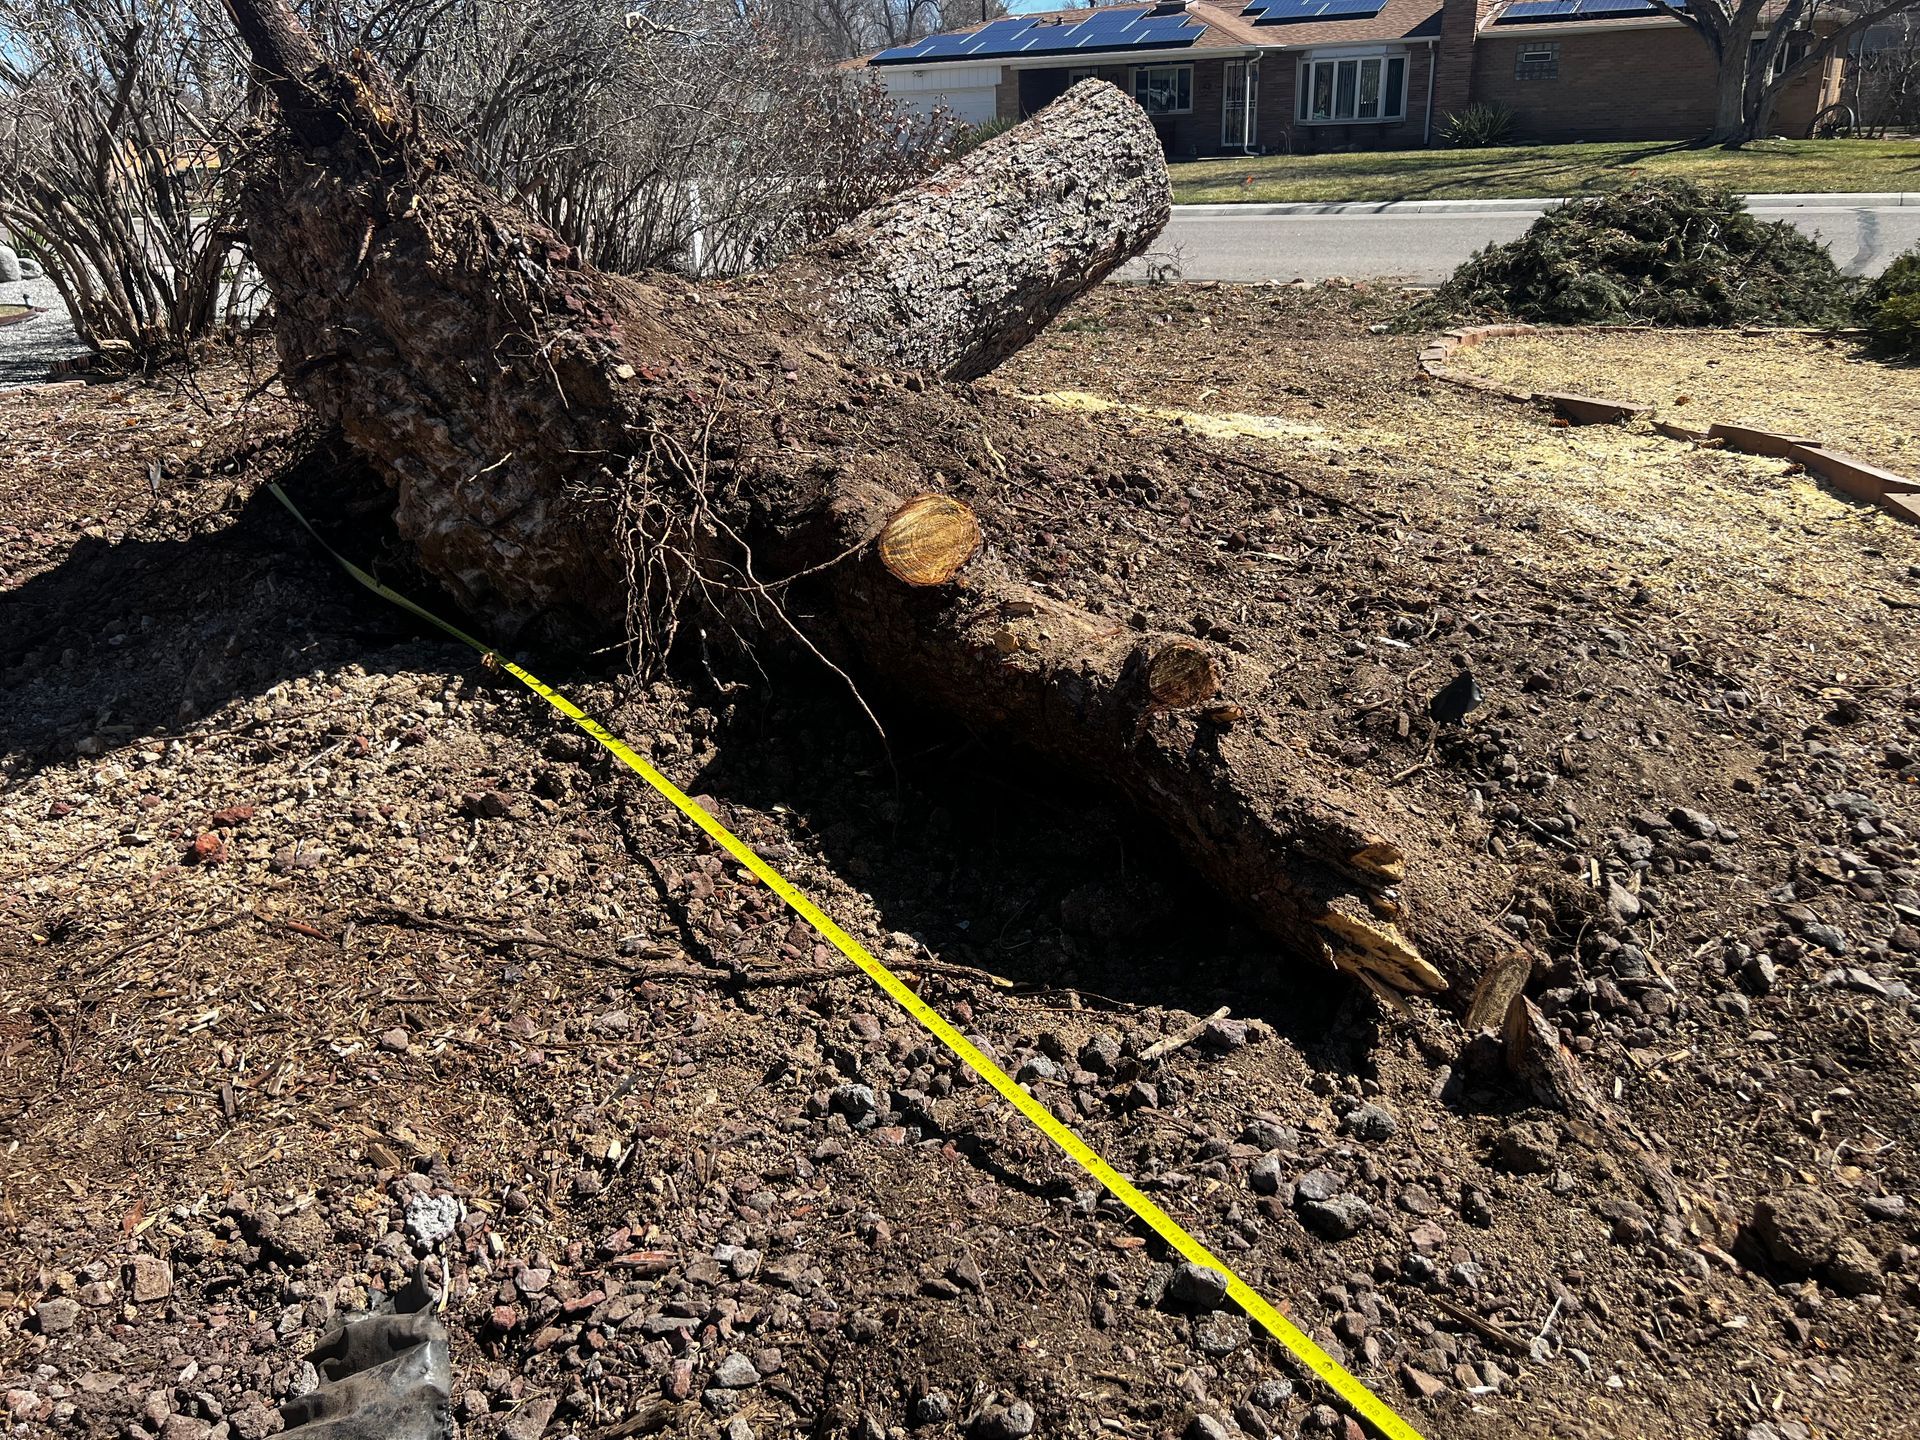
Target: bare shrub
(688, 133)
(695, 134)
(116, 123)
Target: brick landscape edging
(1898, 495)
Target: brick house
(1302, 76)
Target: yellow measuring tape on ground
(1364, 1401)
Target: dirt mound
(1655, 252)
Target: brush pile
(1654, 252)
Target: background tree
(1883, 81)
(1761, 47)
(117, 121)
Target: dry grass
(1829, 390)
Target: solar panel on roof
(1534, 12)
(900, 52)
(1312, 11)
(1103, 30)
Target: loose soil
(308, 919)
(1832, 390)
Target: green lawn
(1771, 166)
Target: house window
(1365, 88)
(1538, 61)
(1164, 89)
(1074, 77)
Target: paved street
(1422, 242)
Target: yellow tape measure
(1364, 1402)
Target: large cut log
(585, 453)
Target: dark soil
(435, 944)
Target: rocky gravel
(29, 349)
(332, 970)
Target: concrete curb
(1837, 200)
(1895, 494)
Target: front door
(1239, 106)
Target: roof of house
(1202, 26)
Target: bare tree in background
(690, 133)
(1762, 47)
(117, 120)
(1884, 77)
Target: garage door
(968, 95)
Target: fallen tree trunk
(583, 452)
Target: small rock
(1827, 937)
(148, 1278)
(1694, 822)
(487, 805)
(1004, 1422)
(1852, 977)
(1270, 1135)
(395, 1041)
(736, 1372)
(1267, 1174)
(1370, 1122)
(1039, 1067)
(529, 1421)
(1225, 1033)
(1420, 1383)
(1800, 1228)
(858, 1103)
(1338, 1218)
(1195, 1287)
(1320, 1184)
(1101, 1054)
(737, 1429)
(1853, 1270)
(1527, 1148)
(52, 1317)
(1885, 1207)
(1206, 1427)
(1622, 903)
(1271, 1394)
(207, 849)
(432, 1218)
(932, 1408)
(1221, 1332)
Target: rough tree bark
(583, 452)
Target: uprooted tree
(584, 453)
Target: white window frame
(1079, 73)
(1140, 72)
(1377, 56)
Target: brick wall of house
(1642, 84)
(1459, 26)
(1006, 95)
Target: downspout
(1433, 57)
(1250, 107)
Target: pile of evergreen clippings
(1653, 252)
